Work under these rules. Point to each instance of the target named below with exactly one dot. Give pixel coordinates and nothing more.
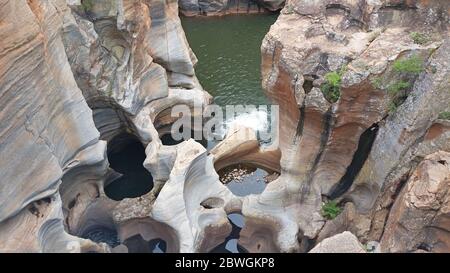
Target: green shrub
(377, 83)
(87, 5)
(398, 86)
(392, 107)
(331, 210)
(419, 38)
(444, 115)
(331, 89)
(411, 65)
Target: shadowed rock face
(223, 7)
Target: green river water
(229, 52)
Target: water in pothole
(102, 235)
(243, 180)
(137, 244)
(126, 155)
(230, 245)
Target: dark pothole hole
(126, 155)
(137, 244)
(101, 234)
(168, 140)
(230, 245)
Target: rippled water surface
(229, 53)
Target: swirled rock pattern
(83, 77)
(324, 142)
(80, 74)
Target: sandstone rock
(395, 148)
(110, 51)
(323, 143)
(45, 119)
(419, 217)
(344, 242)
(193, 201)
(242, 146)
(223, 7)
(348, 220)
(77, 77)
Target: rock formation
(223, 7)
(344, 242)
(419, 218)
(79, 75)
(362, 87)
(325, 140)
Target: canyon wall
(363, 92)
(223, 7)
(75, 75)
(356, 142)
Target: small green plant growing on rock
(398, 86)
(331, 210)
(331, 88)
(407, 69)
(87, 5)
(444, 115)
(419, 38)
(377, 83)
(392, 107)
(412, 65)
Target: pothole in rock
(137, 244)
(243, 180)
(102, 235)
(230, 245)
(126, 155)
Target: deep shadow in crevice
(137, 244)
(126, 155)
(100, 234)
(168, 140)
(359, 158)
(230, 245)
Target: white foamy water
(256, 120)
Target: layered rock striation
(224, 7)
(363, 93)
(78, 76)
(360, 98)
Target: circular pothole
(137, 244)
(230, 245)
(243, 180)
(102, 235)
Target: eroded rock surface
(223, 7)
(344, 242)
(325, 141)
(79, 75)
(419, 218)
(84, 77)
